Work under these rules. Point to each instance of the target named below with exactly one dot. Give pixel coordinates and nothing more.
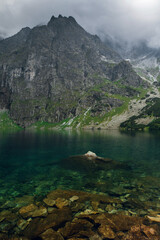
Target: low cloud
(129, 20)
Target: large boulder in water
(92, 156)
(90, 162)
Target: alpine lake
(36, 163)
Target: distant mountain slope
(59, 71)
(8, 45)
(144, 59)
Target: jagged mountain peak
(46, 73)
(66, 33)
(61, 21)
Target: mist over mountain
(144, 59)
(131, 21)
(1, 37)
(58, 71)
(136, 50)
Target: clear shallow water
(34, 163)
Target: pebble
(50, 202)
(74, 198)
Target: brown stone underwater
(45, 194)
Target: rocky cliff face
(144, 59)
(53, 72)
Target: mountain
(144, 59)
(59, 71)
(2, 35)
(8, 45)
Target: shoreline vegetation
(135, 114)
(7, 124)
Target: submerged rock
(106, 232)
(83, 196)
(90, 162)
(77, 228)
(155, 219)
(22, 224)
(142, 232)
(50, 234)
(8, 216)
(61, 203)
(38, 225)
(33, 211)
(49, 202)
(74, 198)
(76, 215)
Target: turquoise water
(34, 163)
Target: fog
(128, 20)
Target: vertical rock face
(45, 72)
(128, 77)
(4, 97)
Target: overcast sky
(130, 20)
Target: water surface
(34, 163)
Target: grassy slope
(151, 110)
(85, 118)
(6, 123)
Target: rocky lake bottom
(45, 193)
